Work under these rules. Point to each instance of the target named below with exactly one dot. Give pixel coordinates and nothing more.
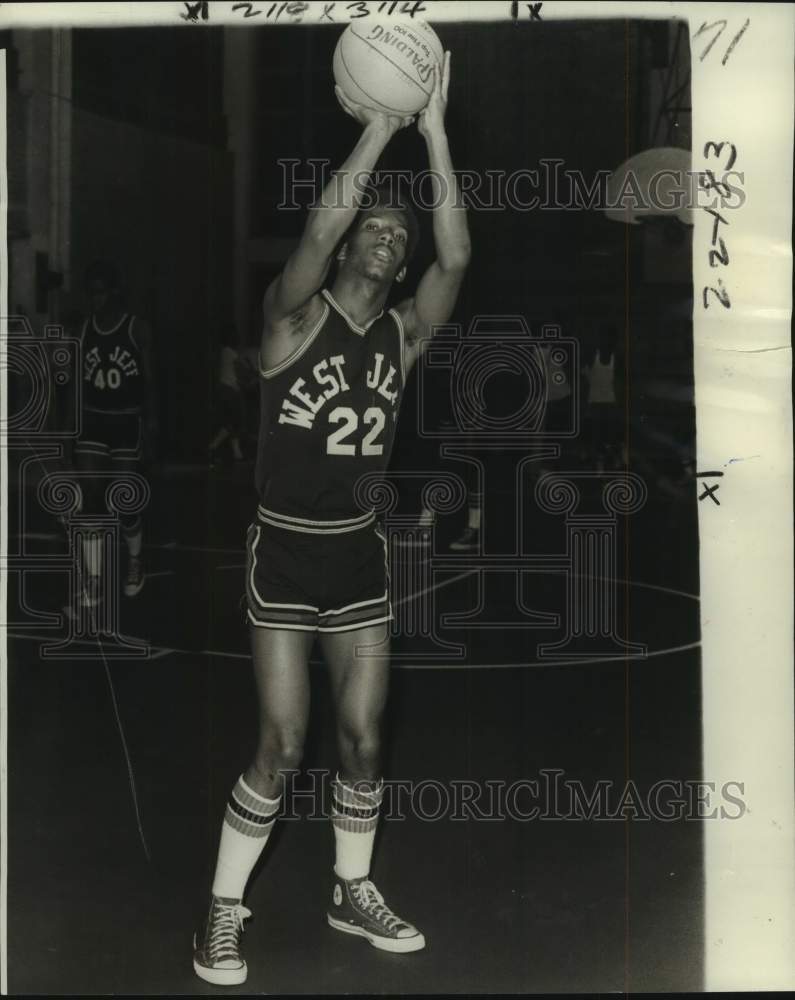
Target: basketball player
(229, 397)
(603, 419)
(333, 365)
(118, 410)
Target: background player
(602, 415)
(229, 397)
(333, 366)
(118, 416)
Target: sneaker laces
(372, 902)
(226, 927)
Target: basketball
(388, 65)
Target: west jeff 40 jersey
(328, 415)
(112, 371)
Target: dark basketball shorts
(307, 577)
(118, 436)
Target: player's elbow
(320, 234)
(456, 261)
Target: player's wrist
(379, 127)
(436, 139)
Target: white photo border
(742, 95)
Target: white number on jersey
(374, 417)
(351, 422)
(112, 381)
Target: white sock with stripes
(248, 822)
(354, 816)
(135, 544)
(473, 515)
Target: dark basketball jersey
(112, 369)
(328, 415)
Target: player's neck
(108, 315)
(361, 298)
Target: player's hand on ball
(432, 118)
(369, 116)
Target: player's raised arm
(329, 219)
(438, 289)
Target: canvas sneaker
(216, 949)
(357, 907)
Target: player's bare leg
(281, 671)
(132, 533)
(359, 666)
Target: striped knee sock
(248, 822)
(354, 816)
(135, 543)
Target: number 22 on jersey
(338, 441)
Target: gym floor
(119, 772)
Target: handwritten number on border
(721, 25)
(720, 294)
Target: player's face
(98, 295)
(378, 248)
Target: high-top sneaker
(216, 949)
(357, 907)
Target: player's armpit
(281, 339)
(431, 307)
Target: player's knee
(361, 751)
(279, 751)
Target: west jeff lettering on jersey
(328, 416)
(112, 375)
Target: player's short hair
(105, 271)
(382, 197)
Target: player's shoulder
(139, 323)
(139, 329)
(403, 308)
